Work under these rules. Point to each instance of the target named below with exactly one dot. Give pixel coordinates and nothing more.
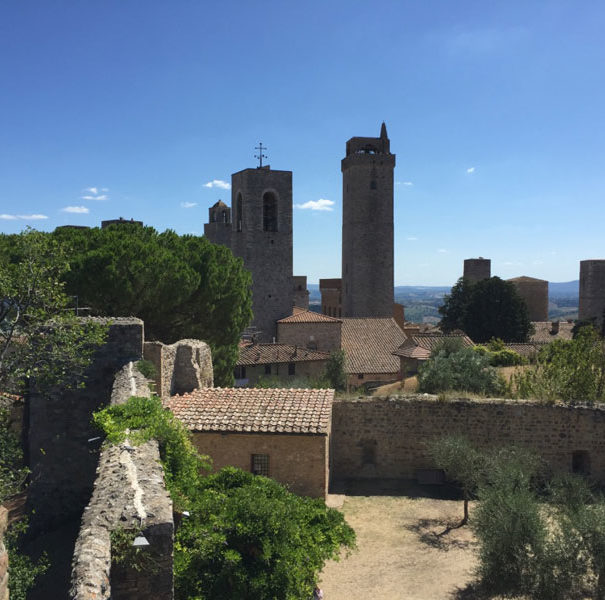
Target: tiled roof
(308, 316)
(421, 345)
(262, 354)
(543, 333)
(524, 278)
(524, 349)
(369, 343)
(254, 410)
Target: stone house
(417, 349)
(369, 344)
(284, 361)
(309, 329)
(549, 331)
(279, 433)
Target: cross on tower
(260, 154)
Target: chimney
(555, 328)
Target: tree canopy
(181, 286)
(486, 309)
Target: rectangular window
(260, 464)
(240, 372)
(291, 368)
(359, 375)
(267, 369)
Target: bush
(335, 370)
(146, 368)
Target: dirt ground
(400, 554)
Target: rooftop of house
(262, 354)
(525, 278)
(421, 345)
(369, 344)
(308, 316)
(548, 331)
(251, 410)
(526, 349)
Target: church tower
(367, 227)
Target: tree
(181, 286)
(490, 308)
(335, 370)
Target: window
(580, 462)
(269, 212)
(291, 368)
(240, 372)
(224, 216)
(238, 212)
(267, 369)
(260, 464)
(373, 184)
(359, 375)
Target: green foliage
(39, 336)
(146, 368)
(490, 308)
(124, 553)
(464, 370)
(335, 370)
(448, 346)
(12, 471)
(500, 358)
(23, 571)
(181, 286)
(246, 536)
(571, 371)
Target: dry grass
(408, 385)
(402, 552)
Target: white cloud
(470, 170)
(442, 251)
(321, 204)
(99, 197)
(35, 217)
(92, 190)
(408, 183)
(411, 239)
(188, 204)
(218, 183)
(81, 210)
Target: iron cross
(260, 154)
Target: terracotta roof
(309, 316)
(262, 354)
(369, 343)
(254, 410)
(543, 333)
(421, 345)
(525, 278)
(524, 349)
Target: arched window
(238, 212)
(269, 212)
(224, 214)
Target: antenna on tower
(260, 154)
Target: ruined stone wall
(62, 459)
(298, 461)
(387, 438)
(129, 494)
(3, 555)
(180, 367)
(326, 336)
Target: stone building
(535, 294)
(258, 229)
(279, 433)
(476, 269)
(592, 290)
(311, 330)
(283, 361)
(331, 297)
(301, 293)
(367, 227)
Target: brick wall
(327, 336)
(387, 438)
(299, 461)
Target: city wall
(388, 438)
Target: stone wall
(61, 457)
(326, 336)
(307, 368)
(298, 461)
(180, 367)
(129, 494)
(3, 555)
(387, 438)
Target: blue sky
(496, 111)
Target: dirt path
(399, 555)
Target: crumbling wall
(180, 367)
(129, 494)
(388, 437)
(3, 555)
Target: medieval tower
(367, 227)
(258, 228)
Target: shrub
(146, 368)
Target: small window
(312, 345)
(269, 212)
(267, 369)
(373, 184)
(580, 462)
(238, 209)
(291, 368)
(260, 464)
(359, 375)
(240, 372)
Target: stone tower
(258, 229)
(592, 291)
(476, 269)
(535, 293)
(367, 227)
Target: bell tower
(367, 227)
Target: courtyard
(400, 553)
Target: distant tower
(476, 269)
(535, 293)
(592, 290)
(258, 228)
(367, 227)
